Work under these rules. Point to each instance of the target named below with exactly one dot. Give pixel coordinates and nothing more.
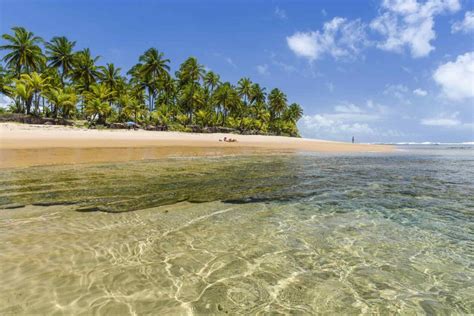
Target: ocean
(298, 233)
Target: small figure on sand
(228, 140)
(353, 139)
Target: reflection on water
(290, 234)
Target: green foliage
(65, 83)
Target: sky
(379, 70)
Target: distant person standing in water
(353, 139)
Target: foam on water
(291, 234)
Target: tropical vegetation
(53, 79)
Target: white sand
(25, 145)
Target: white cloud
(339, 38)
(303, 44)
(263, 69)
(410, 23)
(456, 78)
(280, 13)
(349, 120)
(466, 25)
(420, 92)
(398, 91)
(323, 125)
(5, 101)
(442, 120)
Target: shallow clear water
(300, 233)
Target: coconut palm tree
(132, 107)
(151, 68)
(244, 88)
(277, 102)
(38, 84)
(60, 55)
(5, 82)
(109, 76)
(189, 75)
(257, 94)
(24, 54)
(24, 95)
(97, 109)
(64, 99)
(293, 113)
(100, 92)
(84, 72)
(190, 72)
(211, 81)
(226, 99)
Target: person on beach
(353, 139)
(228, 140)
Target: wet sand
(27, 145)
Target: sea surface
(254, 234)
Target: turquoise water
(294, 233)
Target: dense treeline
(51, 79)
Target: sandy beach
(25, 145)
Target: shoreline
(27, 145)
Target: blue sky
(381, 70)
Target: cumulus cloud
(420, 92)
(456, 78)
(280, 13)
(346, 120)
(339, 38)
(466, 25)
(263, 69)
(323, 125)
(409, 23)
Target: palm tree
(262, 116)
(211, 81)
(153, 63)
(109, 75)
(293, 113)
(97, 109)
(5, 82)
(226, 99)
(100, 92)
(190, 72)
(38, 84)
(189, 75)
(203, 117)
(60, 55)
(25, 53)
(257, 94)
(131, 107)
(277, 102)
(151, 68)
(84, 71)
(24, 93)
(244, 88)
(64, 99)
